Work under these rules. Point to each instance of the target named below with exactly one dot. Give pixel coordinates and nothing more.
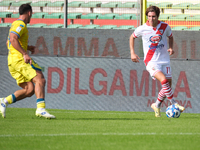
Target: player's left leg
(3, 106)
(166, 86)
(26, 91)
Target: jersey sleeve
(18, 29)
(169, 31)
(137, 33)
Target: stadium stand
(128, 5)
(90, 16)
(38, 25)
(164, 17)
(54, 26)
(19, 3)
(193, 18)
(74, 15)
(110, 4)
(5, 14)
(182, 6)
(56, 6)
(164, 5)
(106, 16)
(6, 3)
(75, 4)
(16, 15)
(107, 27)
(197, 28)
(39, 4)
(75, 25)
(150, 3)
(181, 17)
(91, 4)
(5, 24)
(39, 15)
(179, 28)
(126, 16)
(53, 15)
(92, 26)
(194, 6)
(124, 27)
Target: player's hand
(32, 49)
(171, 51)
(27, 59)
(135, 58)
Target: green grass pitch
(98, 130)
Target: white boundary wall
(107, 81)
(106, 84)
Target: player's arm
(15, 43)
(134, 56)
(171, 42)
(31, 48)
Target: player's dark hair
(24, 8)
(153, 9)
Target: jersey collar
(21, 20)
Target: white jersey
(155, 44)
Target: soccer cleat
(44, 113)
(181, 108)
(3, 107)
(156, 110)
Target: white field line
(94, 134)
(118, 113)
(82, 112)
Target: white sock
(5, 101)
(158, 103)
(40, 109)
(173, 102)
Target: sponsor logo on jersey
(154, 47)
(155, 38)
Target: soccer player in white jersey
(154, 35)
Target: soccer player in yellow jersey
(23, 69)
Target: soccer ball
(173, 111)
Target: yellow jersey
(19, 28)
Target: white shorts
(153, 68)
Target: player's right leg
(40, 81)
(156, 106)
(181, 108)
(154, 68)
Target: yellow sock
(40, 103)
(11, 99)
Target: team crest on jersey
(18, 29)
(155, 38)
(161, 31)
